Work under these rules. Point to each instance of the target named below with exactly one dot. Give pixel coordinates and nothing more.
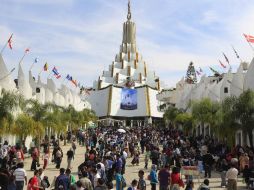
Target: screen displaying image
(129, 99)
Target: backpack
(45, 182)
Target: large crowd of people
(165, 152)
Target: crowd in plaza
(166, 154)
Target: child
(141, 181)
(133, 186)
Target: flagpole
(4, 47)
(40, 72)
(31, 67)
(22, 58)
(2, 50)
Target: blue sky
(81, 37)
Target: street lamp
(7, 74)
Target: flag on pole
(237, 55)
(224, 66)
(10, 42)
(225, 57)
(198, 73)
(58, 76)
(68, 77)
(74, 82)
(27, 50)
(249, 38)
(214, 71)
(36, 60)
(45, 67)
(54, 70)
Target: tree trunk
(250, 134)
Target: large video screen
(129, 99)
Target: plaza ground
(131, 171)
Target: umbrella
(121, 131)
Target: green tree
(171, 114)
(186, 121)
(8, 105)
(226, 123)
(205, 111)
(244, 112)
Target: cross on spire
(129, 10)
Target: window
(226, 90)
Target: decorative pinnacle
(129, 10)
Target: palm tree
(204, 111)
(185, 120)
(244, 111)
(171, 114)
(25, 126)
(8, 105)
(226, 123)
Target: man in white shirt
(231, 175)
(20, 176)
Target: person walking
(70, 157)
(62, 181)
(164, 178)
(231, 175)
(20, 176)
(153, 177)
(58, 157)
(208, 162)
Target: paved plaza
(131, 171)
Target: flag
(74, 82)
(200, 70)
(214, 71)
(36, 60)
(198, 73)
(224, 66)
(68, 77)
(58, 76)
(237, 55)
(45, 67)
(27, 50)
(225, 57)
(54, 70)
(10, 42)
(249, 38)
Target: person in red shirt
(176, 181)
(34, 182)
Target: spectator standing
(231, 175)
(164, 178)
(20, 176)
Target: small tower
(191, 77)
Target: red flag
(58, 76)
(74, 82)
(27, 50)
(249, 38)
(224, 66)
(10, 42)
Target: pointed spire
(129, 10)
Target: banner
(129, 99)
